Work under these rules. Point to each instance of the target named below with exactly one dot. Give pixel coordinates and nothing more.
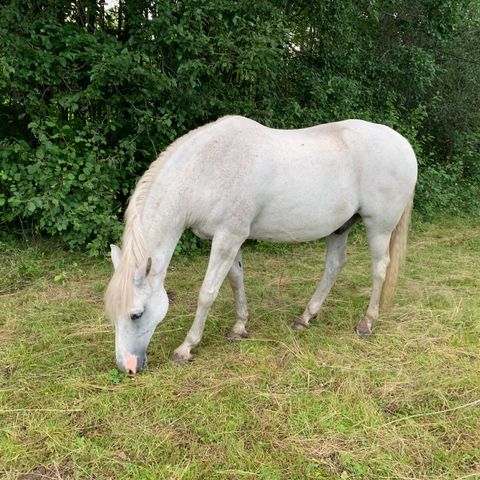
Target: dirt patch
(171, 296)
(36, 473)
(40, 472)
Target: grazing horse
(235, 179)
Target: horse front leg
(334, 262)
(235, 276)
(223, 252)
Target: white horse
(235, 179)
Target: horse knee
(206, 297)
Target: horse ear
(142, 272)
(115, 254)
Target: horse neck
(162, 224)
(158, 208)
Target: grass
(319, 404)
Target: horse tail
(397, 251)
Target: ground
(316, 404)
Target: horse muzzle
(132, 363)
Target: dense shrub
(90, 96)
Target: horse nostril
(130, 363)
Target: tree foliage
(90, 94)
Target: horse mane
(119, 294)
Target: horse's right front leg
(224, 250)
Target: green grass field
(283, 404)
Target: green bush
(90, 96)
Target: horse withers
(234, 180)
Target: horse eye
(135, 316)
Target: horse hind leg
(235, 277)
(334, 262)
(379, 248)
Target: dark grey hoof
(237, 336)
(299, 324)
(180, 359)
(363, 333)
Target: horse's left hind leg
(379, 249)
(335, 261)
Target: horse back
(297, 185)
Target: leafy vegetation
(318, 404)
(89, 95)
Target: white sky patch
(109, 4)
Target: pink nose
(130, 363)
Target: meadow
(283, 404)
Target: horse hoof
(236, 336)
(363, 333)
(299, 324)
(180, 358)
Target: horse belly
(301, 221)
